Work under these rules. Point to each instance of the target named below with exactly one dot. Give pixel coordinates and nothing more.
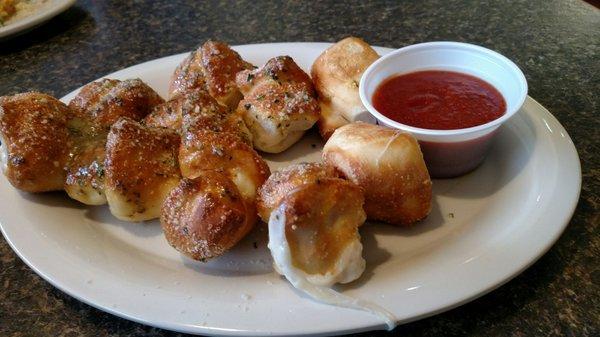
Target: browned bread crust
(226, 153)
(388, 165)
(97, 106)
(283, 182)
(107, 100)
(35, 141)
(206, 216)
(141, 169)
(279, 103)
(213, 67)
(196, 111)
(321, 219)
(336, 74)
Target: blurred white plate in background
(38, 16)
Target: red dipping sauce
(438, 100)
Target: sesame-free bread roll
(227, 153)
(34, 141)
(141, 169)
(283, 182)
(107, 100)
(206, 216)
(336, 74)
(212, 66)
(314, 217)
(97, 106)
(279, 103)
(315, 214)
(388, 165)
(194, 111)
(319, 222)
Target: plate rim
(570, 208)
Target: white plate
(485, 228)
(43, 14)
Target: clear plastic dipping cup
(449, 153)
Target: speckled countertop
(556, 43)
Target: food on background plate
(213, 66)
(34, 141)
(313, 217)
(438, 100)
(12, 10)
(279, 103)
(388, 165)
(7, 10)
(204, 217)
(141, 169)
(94, 110)
(336, 74)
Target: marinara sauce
(439, 100)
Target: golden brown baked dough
(85, 167)
(204, 217)
(313, 218)
(35, 141)
(279, 103)
(170, 113)
(7, 10)
(283, 182)
(97, 106)
(213, 66)
(107, 100)
(217, 157)
(141, 169)
(227, 153)
(388, 165)
(321, 221)
(196, 111)
(313, 233)
(336, 74)
(209, 115)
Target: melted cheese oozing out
(312, 285)
(3, 156)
